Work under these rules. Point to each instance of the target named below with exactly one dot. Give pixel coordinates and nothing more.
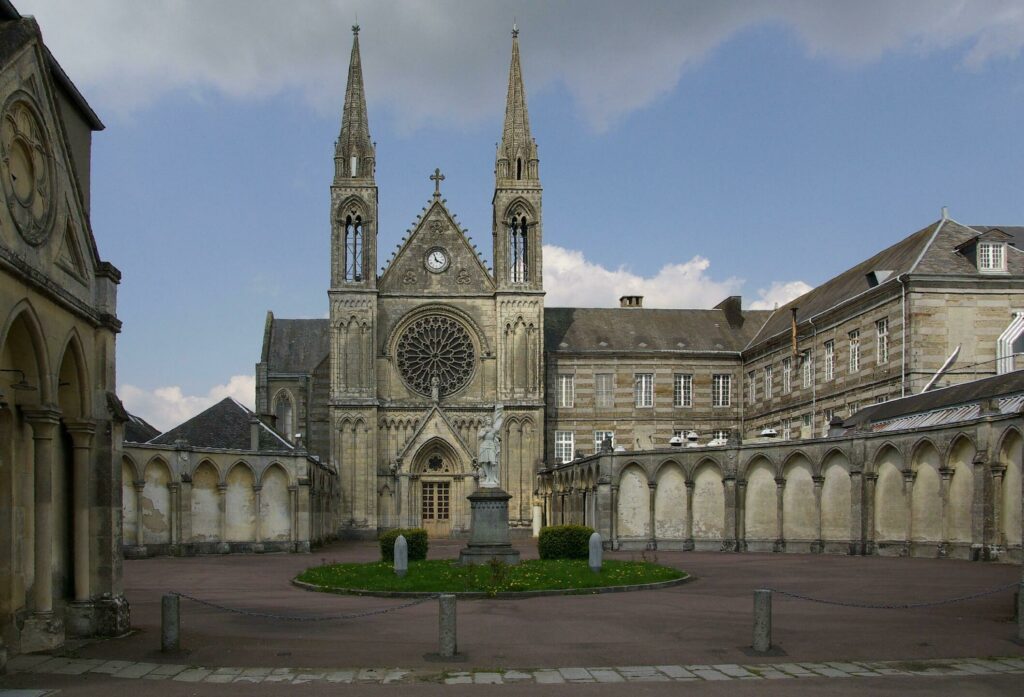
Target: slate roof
(225, 425)
(576, 329)
(930, 250)
(967, 393)
(297, 345)
(138, 430)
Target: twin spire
(355, 155)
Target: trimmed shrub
(415, 537)
(564, 542)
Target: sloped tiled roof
(297, 345)
(957, 401)
(138, 430)
(574, 329)
(226, 426)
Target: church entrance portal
(438, 490)
(436, 508)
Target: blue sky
(688, 150)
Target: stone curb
(508, 595)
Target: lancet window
(353, 248)
(518, 249)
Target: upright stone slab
(401, 556)
(489, 533)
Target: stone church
(394, 388)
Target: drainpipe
(905, 330)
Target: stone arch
(708, 504)
(352, 205)
(205, 505)
(240, 503)
(926, 495)
(836, 497)
(23, 347)
(759, 457)
(959, 519)
(129, 501)
(1008, 455)
(73, 382)
(520, 205)
(275, 505)
(670, 502)
(283, 408)
(799, 507)
(890, 502)
(634, 515)
(156, 502)
(451, 463)
(884, 448)
(761, 502)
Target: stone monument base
(489, 532)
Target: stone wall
(184, 501)
(945, 491)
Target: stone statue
(435, 388)
(490, 450)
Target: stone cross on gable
(437, 178)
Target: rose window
(435, 347)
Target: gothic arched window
(519, 168)
(518, 251)
(353, 248)
(284, 415)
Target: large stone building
(60, 423)
(394, 387)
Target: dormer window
(992, 257)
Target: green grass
(437, 576)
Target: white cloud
(166, 407)
(778, 294)
(446, 61)
(572, 281)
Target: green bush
(416, 538)
(565, 542)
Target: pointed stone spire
(354, 154)
(517, 153)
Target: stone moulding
(480, 595)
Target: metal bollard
(447, 632)
(170, 623)
(762, 620)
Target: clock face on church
(436, 259)
(28, 177)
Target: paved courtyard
(695, 633)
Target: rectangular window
(787, 375)
(643, 389)
(720, 435)
(991, 256)
(807, 367)
(882, 329)
(830, 360)
(827, 419)
(682, 392)
(751, 387)
(854, 351)
(566, 390)
(854, 407)
(880, 399)
(604, 389)
(721, 390)
(807, 419)
(768, 371)
(564, 446)
(599, 437)
(787, 429)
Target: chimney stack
(631, 301)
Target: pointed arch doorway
(438, 493)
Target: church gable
(436, 428)
(437, 259)
(43, 219)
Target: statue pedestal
(489, 533)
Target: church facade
(395, 387)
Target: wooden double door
(436, 507)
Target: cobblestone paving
(609, 674)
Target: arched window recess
(353, 248)
(518, 248)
